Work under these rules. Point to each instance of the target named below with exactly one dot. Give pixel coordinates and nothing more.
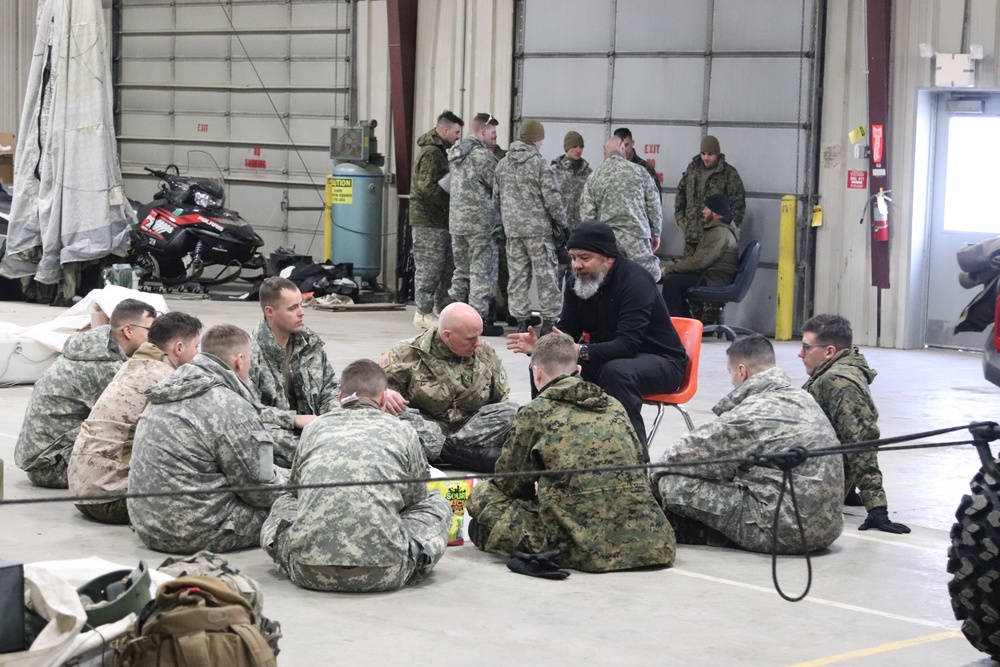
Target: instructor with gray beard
(624, 338)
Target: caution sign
(341, 190)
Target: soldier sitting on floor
(201, 429)
(100, 460)
(367, 538)
(600, 522)
(718, 503)
(457, 390)
(64, 395)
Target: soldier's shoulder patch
(384, 360)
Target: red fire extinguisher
(880, 216)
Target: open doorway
(964, 186)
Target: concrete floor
(876, 599)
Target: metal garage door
(257, 83)
(672, 71)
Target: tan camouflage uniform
(600, 522)
(365, 538)
(461, 399)
(622, 195)
(429, 205)
(62, 398)
(472, 216)
(527, 196)
(297, 380)
(840, 386)
(763, 415)
(99, 463)
(696, 184)
(201, 429)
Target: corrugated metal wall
(17, 38)
(843, 264)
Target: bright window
(973, 144)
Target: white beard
(586, 288)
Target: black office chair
(734, 293)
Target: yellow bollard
(328, 220)
(786, 270)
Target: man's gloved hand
(562, 254)
(537, 565)
(878, 517)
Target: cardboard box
(7, 159)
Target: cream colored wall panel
(843, 260)
(17, 30)
(478, 33)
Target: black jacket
(626, 317)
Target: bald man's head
(460, 327)
(613, 144)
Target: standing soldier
(533, 214)
(429, 220)
(619, 194)
(628, 149)
(472, 218)
(571, 171)
(708, 174)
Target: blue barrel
(355, 194)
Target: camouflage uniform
(472, 217)
(100, 460)
(571, 175)
(601, 522)
(459, 399)
(620, 194)
(429, 224)
(297, 380)
(840, 386)
(358, 539)
(763, 415)
(697, 183)
(201, 429)
(713, 264)
(527, 196)
(61, 400)
(650, 169)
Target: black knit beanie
(594, 236)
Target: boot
(522, 326)
(547, 325)
(473, 459)
(491, 329)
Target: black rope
(767, 459)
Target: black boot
(522, 326)
(473, 459)
(547, 327)
(492, 329)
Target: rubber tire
(974, 560)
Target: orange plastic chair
(690, 334)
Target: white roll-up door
(256, 83)
(672, 71)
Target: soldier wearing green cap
(708, 174)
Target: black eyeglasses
(138, 326)
(806, 346)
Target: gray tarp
(68, 205)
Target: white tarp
(25, 352)
(68, 205)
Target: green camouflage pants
(426, 524)
(114, 512)
(861, 470)
(433, 267)
(504, 523)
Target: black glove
(878, 517)
(562, 254)
(536, 565)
